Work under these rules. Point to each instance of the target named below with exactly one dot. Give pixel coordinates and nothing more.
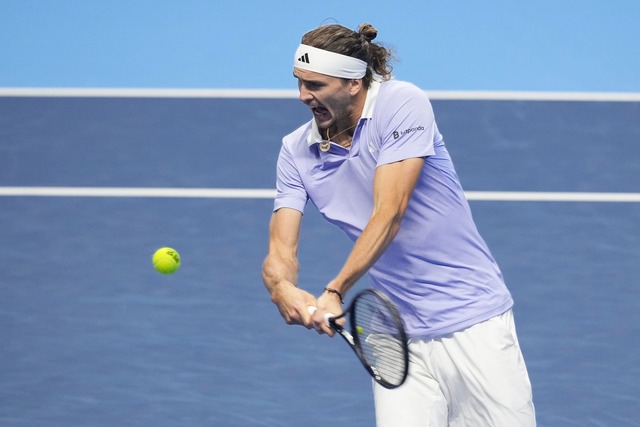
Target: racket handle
(327, 316)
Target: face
(331, 99)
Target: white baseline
(260, 193)
(292, 93)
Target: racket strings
(380, 338)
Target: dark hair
(357, 44)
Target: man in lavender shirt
(374, 164)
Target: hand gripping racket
(377, 336)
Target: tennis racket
(377, 336)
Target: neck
(342, 137)
(342, 132)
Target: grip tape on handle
(327, 316)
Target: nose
(305, 95)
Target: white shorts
(473, 378)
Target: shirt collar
(367, 112)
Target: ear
(355, 86)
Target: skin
(336, 105)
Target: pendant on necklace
(324, 145)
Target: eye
(313, 85)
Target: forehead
(310, 76)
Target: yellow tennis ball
(166, 260)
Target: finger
(316, 325)
(295, 316)
(324, 326)
(305, 317)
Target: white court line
(146, 93)
(205, 193)
(292, 93)
(533, 196)
(259, 193)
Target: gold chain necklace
(325, 144)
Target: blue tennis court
(93, 336)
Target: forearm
(372, 243)
(280, 276)
(278, 272)
(393, 185)
(280, 267)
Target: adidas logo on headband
(329, 63)
(304, 58)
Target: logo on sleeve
(398, 134)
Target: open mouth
(320, 113)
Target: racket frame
(352, 337)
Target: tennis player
(373, 162)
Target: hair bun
(368, 32)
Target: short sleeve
(407, 125)
(290, 191)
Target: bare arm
(280, 268)
(392, 189)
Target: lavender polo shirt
(438, 269)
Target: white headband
(329, 63)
